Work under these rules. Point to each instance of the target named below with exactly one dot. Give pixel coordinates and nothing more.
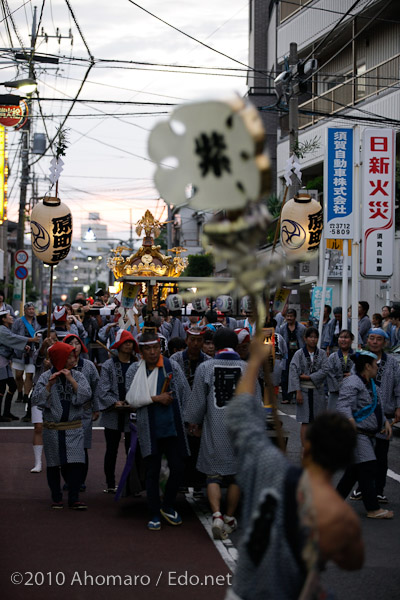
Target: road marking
(393, 475)
(226, 548)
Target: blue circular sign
(21, 272)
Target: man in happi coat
(22, 362)
(61, 392)
(9, 343)
(293, 333)
(340, 364)
(359, 400)
(157, 389)
(213, 388)
(307, 374)
(91, 407)
(110, 394)
(189, 359)
(292, 519)
(387, 381)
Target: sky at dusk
(107, 168)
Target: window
(361, 81)
(289, 7)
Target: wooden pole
(50, 303)
(278, 225)
(269, 396)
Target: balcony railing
(348, 94)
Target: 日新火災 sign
(338, 187)
(378, 200)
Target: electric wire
(195, 39)
(353, 37)
(14, 11)
(328, 10)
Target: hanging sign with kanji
(338, 184)
(317, 301)
(378, 190)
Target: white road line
(226, 548)
(393, 475)
(283, 414)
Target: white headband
(149, 343)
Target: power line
(331, 31)
(195, 39)
(330, 10)
(104, 114)
(371, 20)
(15, 10)
(108, 101)
(80, 31)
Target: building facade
(356, 84)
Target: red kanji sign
(378, 202)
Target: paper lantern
(246, 305)
(174, 302)
(224, 303)
(200, 304)
(51, 230)
(301, 225)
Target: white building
(357, 83)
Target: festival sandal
(382, 514)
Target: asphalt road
(112, 539)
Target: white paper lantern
(200, 304)
(224, 303)
(174, 302)
(51, 230)
(301, 225)
(246, 305)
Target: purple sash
(130, 459)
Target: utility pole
(25, 148)
(293, 119)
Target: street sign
(17, 290)
(21, 272)
(338, 184)
(378, 205)
(21, 257)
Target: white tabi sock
(37, 451)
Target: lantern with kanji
(51, 230)
(224, 303)
(200, 304)
(174, 302)
(301, 225)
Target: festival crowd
(185, 393)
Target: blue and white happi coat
(62, 404)
(145, 417)
(108, 392)
(87, 368)
(338, 369)
(213, 388)
(313, 391)
(354, 396)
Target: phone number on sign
(339, 228)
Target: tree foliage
(199, 265)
